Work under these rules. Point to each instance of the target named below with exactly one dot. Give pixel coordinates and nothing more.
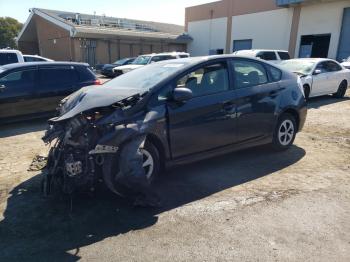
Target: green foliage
(9, 29)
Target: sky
(166, 11)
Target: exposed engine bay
(102, 143)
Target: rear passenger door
(257, 98)
(17, 92)
(55, 83)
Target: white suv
(8, 56)
(268, 55)
(143, 60)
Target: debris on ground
(38, 163)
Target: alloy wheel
(286, 132)
(148, 163)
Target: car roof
(311, 59)
(260, 50)
(10, 51)
(27, 64)
(166, 53)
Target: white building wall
(325, 18)
(207, 35)
(268, 30)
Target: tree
(9, 29)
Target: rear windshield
(284, 55)
(85, 73)
(8, 58)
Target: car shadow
(320, 101)
(22, 127)
(39, 229)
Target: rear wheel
(341, 90)
(285, 132)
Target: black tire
(286, 121)
(341, 90)
(153, 151)
(306, 92)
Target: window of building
(245, 44)
(248, 73)
(206, 80)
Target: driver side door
(207, 121)
(322, 81)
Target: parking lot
(254, 205)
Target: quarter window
(248, 73)
(206, 80)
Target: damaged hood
(92, 97)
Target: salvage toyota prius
(169, 113)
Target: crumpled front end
(101, 144)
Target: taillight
(97, 82)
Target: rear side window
(248, 73)
(284, 55)
(332, 66)
(8, 58)
(267, 55)
(85, 74)
(19, 79)
(275, 73)
(58, 77)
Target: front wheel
(285, 132)
(151, 161)
(341, 90)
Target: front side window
(206, 80)
(267, 56)
(142, 60)
(322, 67)
(248, 73)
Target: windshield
(146, 77)
(121, 61)
(298, 66)
(141, 60)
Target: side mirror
(317, 72)
(182, 94)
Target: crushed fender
(102, 143)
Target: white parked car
(268, 55)
(36, 58)
(346, 63)
(143, 60)
(320, 76)
(8, 56)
